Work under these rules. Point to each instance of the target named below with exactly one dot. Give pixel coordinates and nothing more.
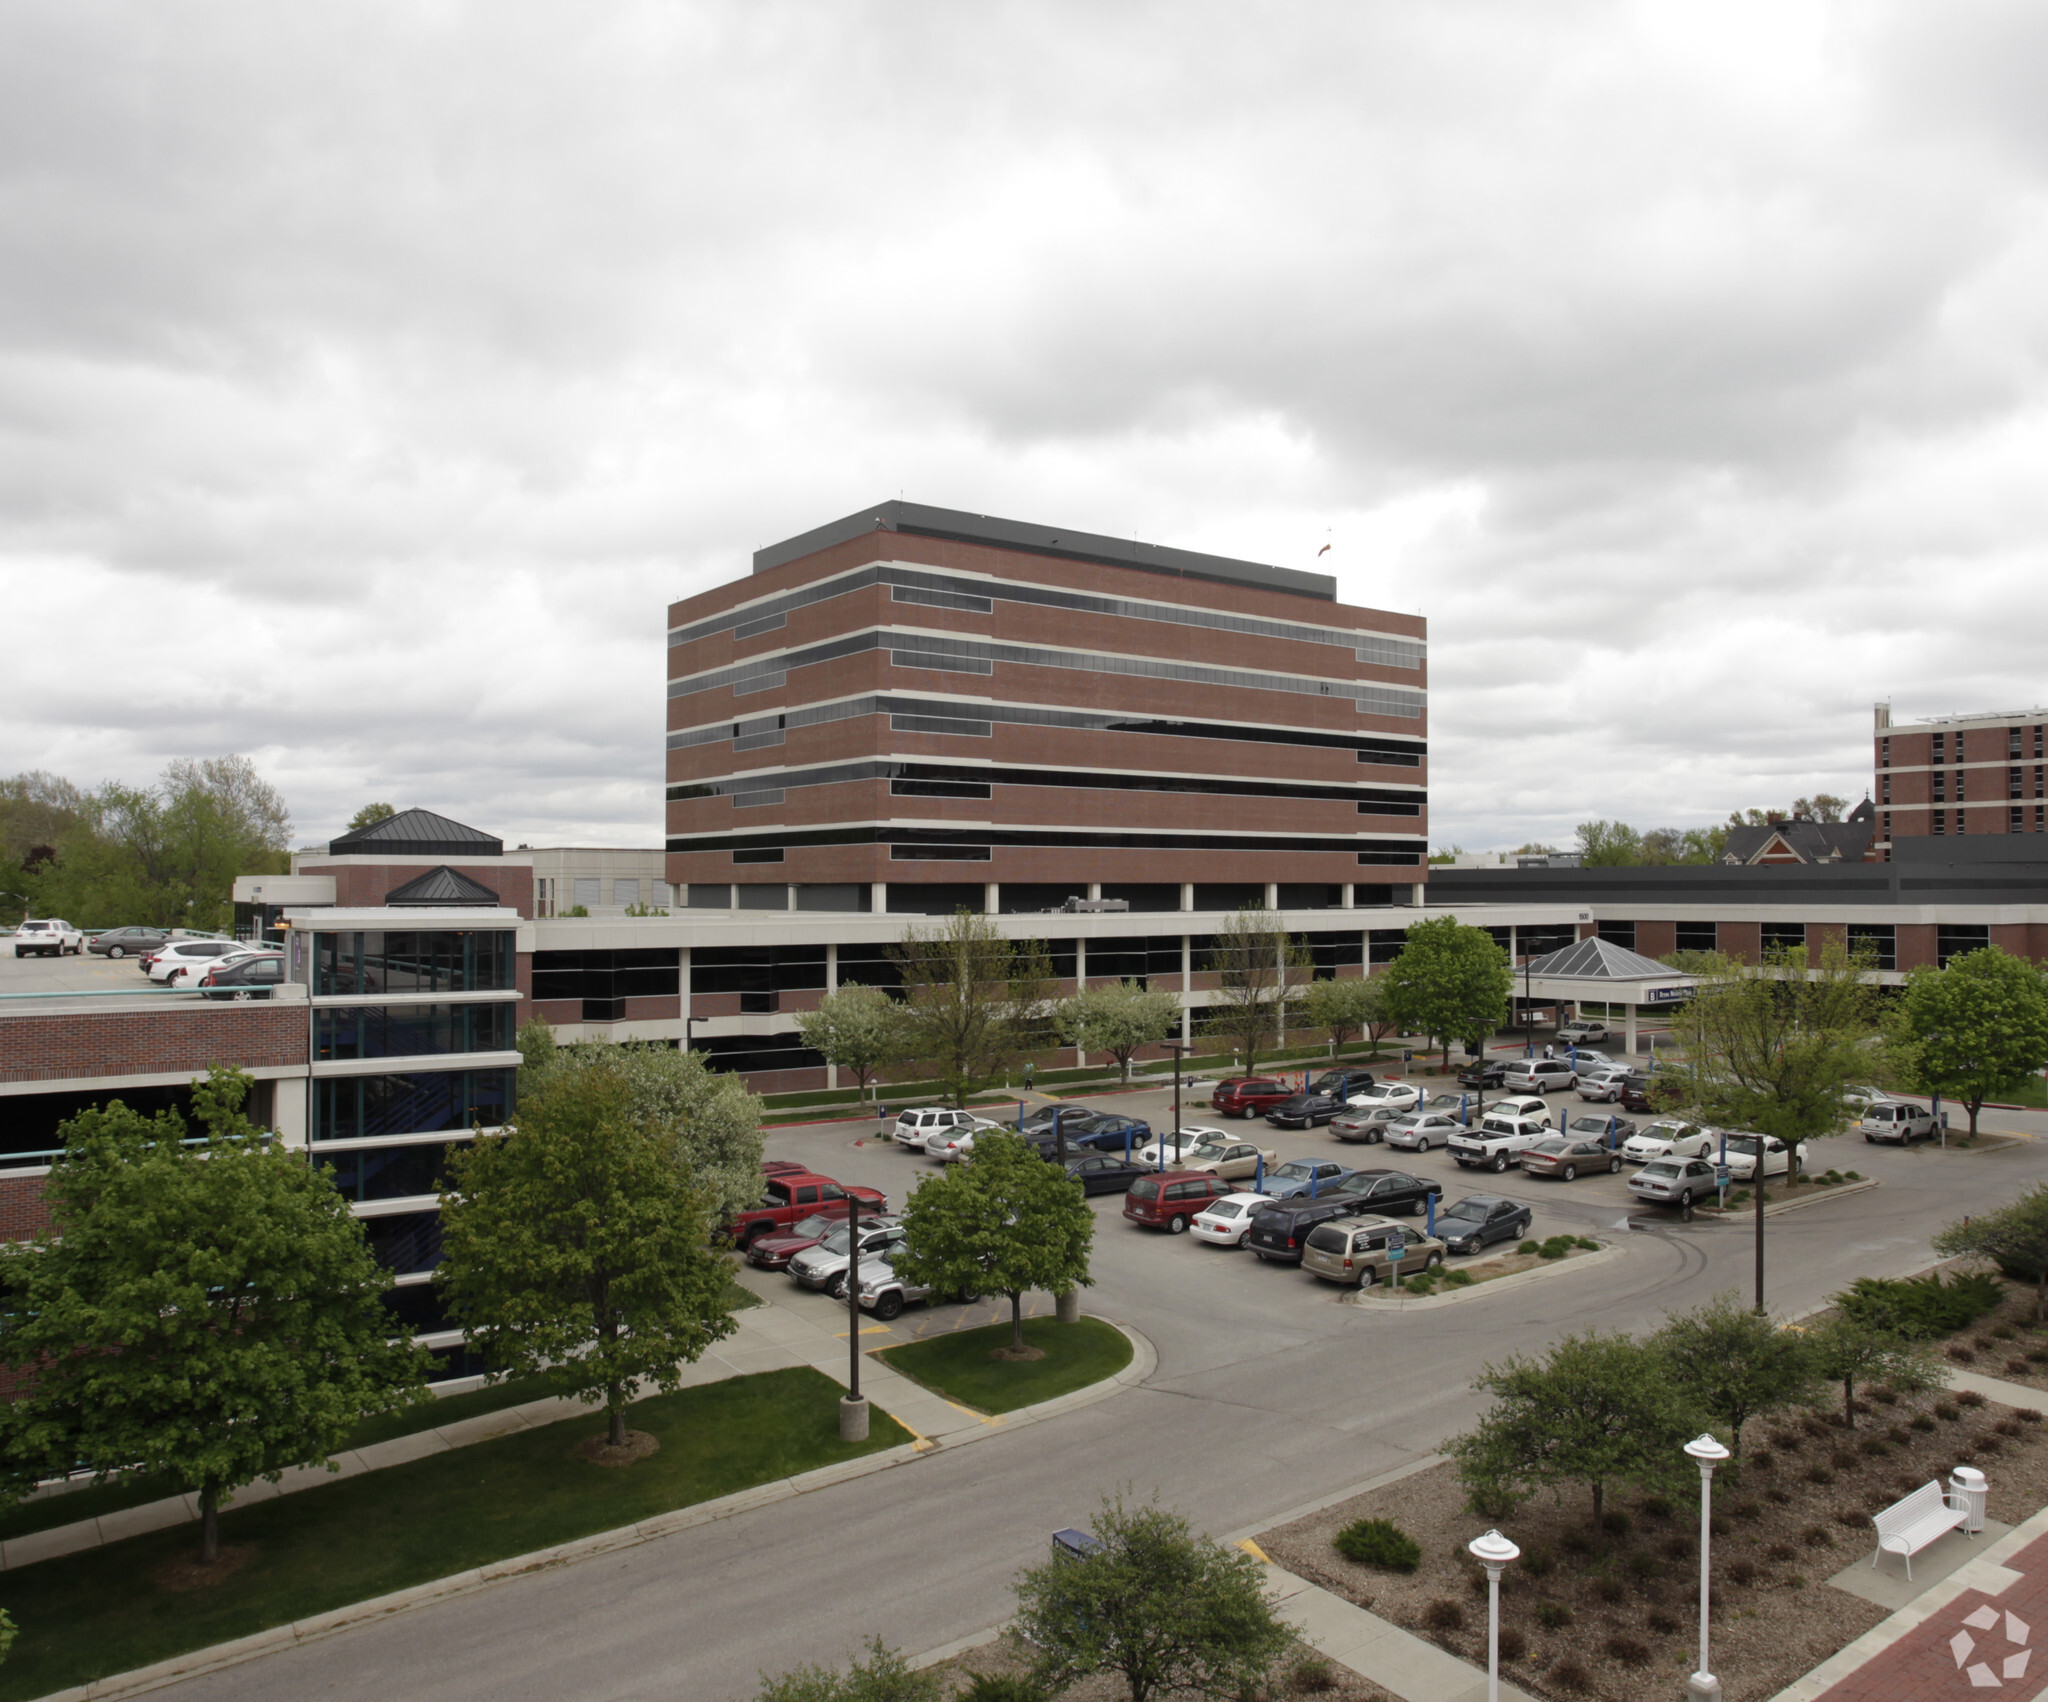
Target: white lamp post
(1493, 1551)
(1706, 1453)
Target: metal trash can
(1967, 1492)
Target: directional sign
(1397, 1248)
(1720, 1175)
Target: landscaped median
(132, 1603)
(1530, 1262)
(963, 1367)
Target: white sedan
(1397, 1094)
(1668, 1138)
(1225, 1221)
(950, 1145)
(1423, 1130)
(1742, 1156)
(1180, 1143)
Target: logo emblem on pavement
(1962, 1645)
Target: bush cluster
(1921, 1308)
(1379, 1542)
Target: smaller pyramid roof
(442, 886)
(416, 833)
(1601, 960)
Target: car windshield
(1742, 1143)
(1144, 1189)
(836, 1241)
(1227, 1208)
(1204, 1154)
(1472, 1209)
(816, 1225)
(1295, 1170)
(1662, 1167)
(1589, 1126)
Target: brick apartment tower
(1960, 774)
(912, 708)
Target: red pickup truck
(790, 1192)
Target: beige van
(1353, 1250)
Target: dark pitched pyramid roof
(416, 833)
(1601, 960)
(442, 886)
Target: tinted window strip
(1370, 799)
(744, 846)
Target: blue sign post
(1397, 1250)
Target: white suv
(915, 1127)
(182, 962)
(47, 939)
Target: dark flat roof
(1918, 880)
(922, 522)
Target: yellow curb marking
(1253, 1549)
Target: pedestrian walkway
(769, 1337)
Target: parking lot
(82, 974)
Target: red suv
(1248, 1096)
(1169, 1201)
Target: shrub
(1570, 1674)
(2005, 1332)
(1422, 1282)
(1513, 1644)
(1816, 1536)
(1795, 1580)
(1658, 1506)
(1787, 1441)
(1781, 1552)
(1575, 1541)
(1961, 1355)
(2016, 1367)
(1443, 1614)
(1674, 1548)
(1610, 1591)
(1630, 1651)
(1742, 1571)
(1537, 1562)
(1556, 1247)
(1311, 1676)
(2007, 1427)
(1615, 1522)
(1842, 1460)
(2037, 1356)
(1457, 1279)
(1984, 1344)
(1877, 1448)
(1530, 1247)
(2027, 1415)
(1947, 1411)
(1898, 1435)
(1921, 1308)
(1378, 1542)
(1852, 1175)
(1854, 1520)
(1778, 1497)
(1987, 1444)
(1969, 1398)
(1589, 1245)
(1005, 1687)
(1718, 1526)
(1815, 1426)
(1883, 1393)
(1662, 1623)
(1922, 1422)
(1763, 1460)
(1553, 1616)
(1642, 1566)
(1820, 1475)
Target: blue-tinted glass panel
(392, 1172)
(410, 1241)
(446, 960)
(363, 1107)
(409, 1031)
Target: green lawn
(89, 1615)
(958, 1365)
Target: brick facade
(186, 1039)
(1966, 774)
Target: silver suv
(48, 939)
(821, 1266)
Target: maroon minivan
(1248, 1096)
(1169, 1200)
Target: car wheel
(1367, 1277)
(1868, 1138)
(116, 951)
(889, 1306)
(1422, 1143)
(1176, 1225)
(1571, 1173)
(1500, 1163)
(1613, 1166)
(1685, 1199)
(1431, 1263)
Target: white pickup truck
(1498, 1141)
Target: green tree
(856, 1028)
(1733, 1363)
(885, 1676)
(1256, 964)
(2014, 1235)
(1118, 1020)
(1771, 1048)
(1609, 844)
(1842, 1350)
(974, 1001)
(708, 1116)
(1595, 1409)
(576, 1246)
(1006, 1222)
(1976, 1029)
(369, 815)
(1450, 981)
(1346, 1005)
(208, 1312)
(1167, 1611)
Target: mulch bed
(1622, 1607)
(1300, 1673)
(600, 1451)
(2005, 1343)
(189, 1572)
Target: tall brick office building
(1960, 774)
(914, 699)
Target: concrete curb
(1841, 1190)
(141, 1680)
(1550, 1267)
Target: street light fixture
(1494, 1552)
(1706, 1453)
(1178, 1048)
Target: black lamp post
(1179, 1048)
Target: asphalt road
(1268, 1394)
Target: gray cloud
(389, 370)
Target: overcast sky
(372, 376)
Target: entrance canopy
(1603, 972)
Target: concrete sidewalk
(769, 1337)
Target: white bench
(1906, 1527)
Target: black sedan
(1483, 1075)
(1478, 1219)
(1390, 1192)
(1104, 1173)
(127, 942)
(1305, 1111)
(247, 978)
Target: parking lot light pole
(853, 1411)
(1706, 1453)
(1494, 1552)
(1177, 1048)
